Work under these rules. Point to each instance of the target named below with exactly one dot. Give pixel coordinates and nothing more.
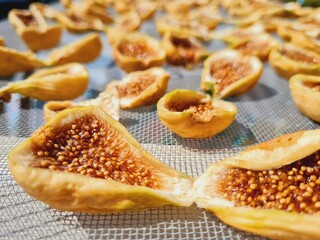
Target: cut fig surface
(299, 56)
(84, 160)
(138, 49)
(27, 18)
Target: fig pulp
(60, 83)
(135, 51)
(271, 189)
(192, 114)
(140, 88)
(84, 50)
(305, 92)
(13, 61)
(83, 160)
(288, 60)
(229, 73)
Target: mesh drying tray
(265, 112)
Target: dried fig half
(13, 61)
(192, 114)
(60, 83)
(91, 8)
(136, 51)
(288, 59)
(305, 92)
(259, 46)
(128, 22)
(108, 102)
(183, 50)
(33, 29)
(84, 50)
(309, 39)
(140, 88)
(271, 189)
(83, 160)
(230, 73)
(145, 9)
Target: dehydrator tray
(265, 112)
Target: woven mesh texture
(265, 112)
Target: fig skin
(130, 64)
(307, 41)
(148, 96)
(287, 67)
(13, 61)
(185, 125)
(237, 88)
(78, 193)
(277, 224)
(306, 99)
(84, 50)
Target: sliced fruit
(60, 83)
(305, 92)
(288, 60)
(259, 46)
(106, 101)
(192, 114)
(271, 189)
(33, 29)
(309, 39)
(230, 73)
(145, 9)
(141, 88)
(286, 32)
(136, 51)
(183, 50)
(208, 15)
(84, 50)
(128, 22)
(91, 8)
(83, 160)
(13, 61)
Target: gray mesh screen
(265, 112)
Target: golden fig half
(60, 83)
(305, 92)
(128, 22)
(192, 114)
(230, 73)
(183, 50)
(271, 189)
(288, 60)
(83, 160)
(308, 39)
(140, 88)
(84, 50)
(33, 29)
(136, 51)
(91, 8)
(13, 61)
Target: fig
(192, 114)
(183, 50)
(230, 73)
(128, 22)
(83, 160)
(145, 9)
(13, 61)
(92, 9)
(305, 92)
(271, 189)
(108, 102)
(309, 39)
(286, 32)
(136, 51)
(84, 50)
(288, 59)
(208, 15)
(140, 88)
(60, 83)
(259, 46)
(33, 29)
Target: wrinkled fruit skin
(306, 98)
(81, 193)
(186, 124)
(267, 156)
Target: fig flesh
(193, 114)
(288, 60)
(60, 83)
(183, 50)
(83, 160)
(271, 189)
(13, 61)
(136, 51)
(84, 50)
(305, 92)
(229, 73)
(140, 88)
